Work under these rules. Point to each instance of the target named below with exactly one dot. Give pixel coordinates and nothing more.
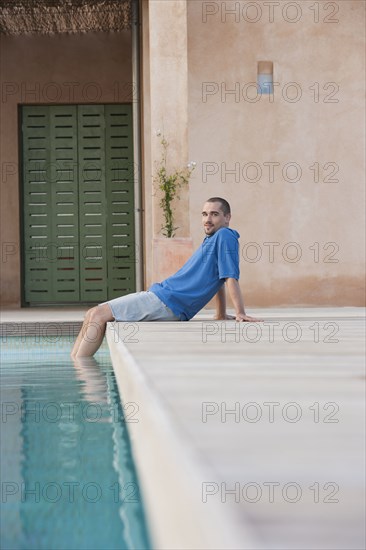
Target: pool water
(67, 475)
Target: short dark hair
(225, 206)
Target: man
(181, 296)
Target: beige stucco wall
(301, 241)
(231, 131)
(164, 115)
(91, 68)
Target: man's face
(213, 217)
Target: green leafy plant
(169, 184)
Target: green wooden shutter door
(78, 203)
(120, 194)
(50, 204)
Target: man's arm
(237, 299)
(221, 314)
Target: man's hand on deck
(224, 317)
(241, 318)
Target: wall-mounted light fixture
(265, 77)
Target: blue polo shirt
(189, 289)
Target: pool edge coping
(173, 522)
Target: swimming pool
(68, 479)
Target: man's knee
(91, 312)
(100, 314)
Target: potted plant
(170, 252)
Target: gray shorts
(140, 306)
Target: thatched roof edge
(72, 16)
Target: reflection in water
(94, 386)
(78, 482)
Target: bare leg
(92, 332)
(80, 335)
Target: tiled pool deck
(244, 436)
